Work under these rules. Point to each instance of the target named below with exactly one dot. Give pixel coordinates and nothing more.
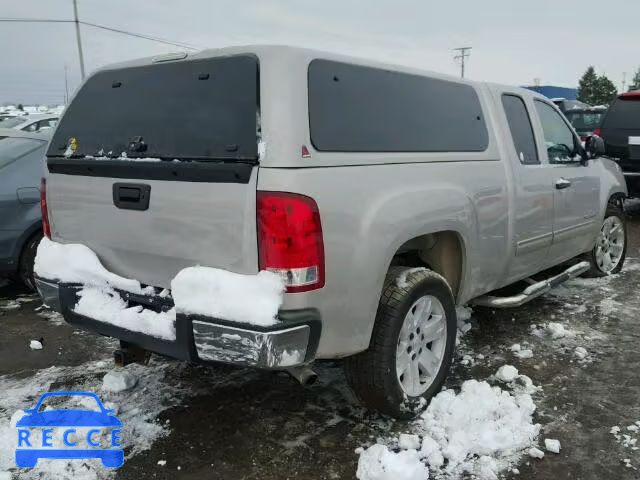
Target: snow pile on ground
(51, 315)
(552, 445)
(14, 304)
(507, 373)
(379, 463)
(137, 408)
(464, 315)
(76, 263)
(479, 431)
(628, 436)
(554, 330)
(35, 345)
(535, 452)
(118, 380)
(521, 353)
(106, 305)
(580, 353)
(253, 299)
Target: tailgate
(154, 168)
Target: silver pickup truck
(382, 196)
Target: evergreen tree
(635, 82)
(587, 86)
(596, 90)
(606, 91)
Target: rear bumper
(292, 342)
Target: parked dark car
(21, 156)
(585, 121)
(621, 133)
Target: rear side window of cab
(354, 108)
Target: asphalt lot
(227, 423)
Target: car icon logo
(69, 419)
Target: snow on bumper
(213, 316)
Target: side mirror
(594, 145)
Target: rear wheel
(411, 348)
(27, 260)
(608, 255)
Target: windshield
(624, 113)
(9, 122)
(196, 110)
(585, 120)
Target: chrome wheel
(610, 244)
(421, 345)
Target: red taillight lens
(290, 239)
(598, 132)
(46, 228)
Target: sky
(514, 42)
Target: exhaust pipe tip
(304, 375)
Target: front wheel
(608, 254)
(411, 347)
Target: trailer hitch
(128, 353)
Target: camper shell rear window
(354, 108)
(205, 109)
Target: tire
(27, 260)
(374, 374)
(608, 243)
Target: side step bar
(532, 291)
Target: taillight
(46, 228)
(598, 131)
(290, 239)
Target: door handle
(562, 183)
(130, 196)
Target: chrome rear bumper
(291, 342)
(240, 346)
(49, 293)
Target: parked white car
(30, 123)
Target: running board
(532, 291)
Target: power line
(462, 56)
(35, 20)
(103, 27)
(140, 35)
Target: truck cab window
(521, 130)
(558, 137)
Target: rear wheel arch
(27, 257)
(618, 199)
(442, 252)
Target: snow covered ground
(137, 407)
(489, 428)
(563, 368)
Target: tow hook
(128, 353)
(303, 374)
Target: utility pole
(624, 80)
(66, 86)
(462, 56)
(79, 40)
